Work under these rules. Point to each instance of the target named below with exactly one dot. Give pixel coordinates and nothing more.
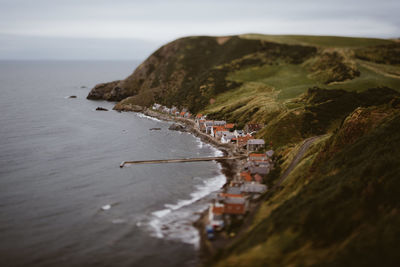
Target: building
(227, 137)
(242, 141)
(258, 178)
(219, 123)
(235, 206)
(239, 133)
(173, 110)
(156, 106)
(230, 126)
(257, 157)
(216, 129)
(261, 170)
(255, 144)
(233, 190)
(253, 188)
(207, 126)
(198, 118)
(246, 176)
(200, 125)
(253, 127)
(215, 216)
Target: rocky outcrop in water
(107, 91)
(177, 127)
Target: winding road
(304, 147)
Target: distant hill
(256, 77)
(340, 206)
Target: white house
(239, 133)
(227, 137)
(156, 106)
(215, 216)
(207, 126)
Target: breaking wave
(175, 221)
(141, 115)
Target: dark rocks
(83, 87)
(124, 105)
(177, 127)
(102, 91)
(155, 129)
(101, 109)
(72, 96)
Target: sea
(64, 200)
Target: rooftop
(256, 142)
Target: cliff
(339, 206)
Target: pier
(158, 161)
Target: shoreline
(229, 168)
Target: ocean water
(64, 201)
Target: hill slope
(339, 206)
(255, 77)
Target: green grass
(289, 79)
(368, 79)
(251, 101)
(323, 41)
(343, 212)
(292, 80)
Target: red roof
(199, 116)
(229, 195)
(182, 113)
(257, 155)
(246, 176)
(244, 139)
(219, 128)
(217, 210)
(229, 125)
(234, 208)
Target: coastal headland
(329, 110)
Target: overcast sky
(131, 29)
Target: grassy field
(323, 41)
(272, 88)
(292, 80)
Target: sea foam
(175, 221)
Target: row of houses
(235, 199)
(228, 133)
(221, 130)
(183, 113)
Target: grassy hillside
(317, 40)
(339, 207)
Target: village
(237, 198)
